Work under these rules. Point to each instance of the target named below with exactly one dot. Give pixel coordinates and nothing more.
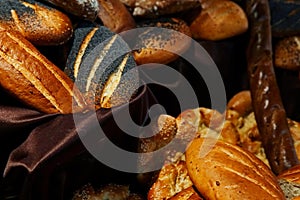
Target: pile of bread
(226, 159)
(225, 155)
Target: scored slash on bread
(228, 172)
(37, 22)
(98, 63)
(29, 76)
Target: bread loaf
(220, 170)
(30, 77)
(37, 22)
(159, 45)
(98, 63)
(267, 104)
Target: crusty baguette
(37, 22)
(29, 76)
(221, 170)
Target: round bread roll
(115, 16)
(86, 9)
(220, 170)
(38, 23)
(154, 8)
(158, 45)
(287, 53)
(219, 20)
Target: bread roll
(30, 77)
(38, 23)
(287, 53)
(290, 182)
(86, 9)
(187, 194)
(219, 20)
(115, 16)
(154, 8)
(161, 46)
(172, 179)
(220, 170)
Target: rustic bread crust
(29, 76)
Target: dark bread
(98, 63)
(267, 104)
(29, 76)
(37, 22)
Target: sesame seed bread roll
(38, 23)
(29, 76)
(159, 45)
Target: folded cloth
(55, 144)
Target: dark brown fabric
(55, 143)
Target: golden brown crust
(115, 16)
(220, 170)
(291, 175)
(154, 8)
(287, 53)
(166, 47)
(219, 20)
(33, 79)
(42, 26)
(187, 194)
(172, 179)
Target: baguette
(29, 76)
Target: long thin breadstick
(268, 108)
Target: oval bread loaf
(158, 45)
(29, 76)
(221, 170)
(98, 63)
(37, 22)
